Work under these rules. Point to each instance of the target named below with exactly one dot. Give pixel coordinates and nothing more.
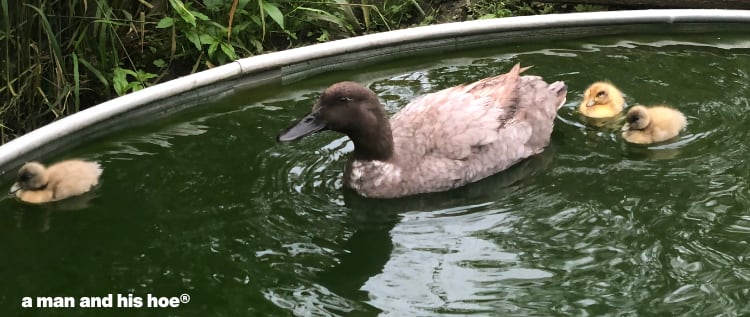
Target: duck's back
(72, 178)
(667, 122)
(463, 134)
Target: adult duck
(438, 141)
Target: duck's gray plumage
(458, 135)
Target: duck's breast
(35, 196)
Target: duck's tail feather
(561, 90)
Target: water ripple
(590, 227)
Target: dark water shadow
(368, 210)
(38, 217)
(370, 247)
(613, 124)
(653, 152)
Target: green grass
(59, 57)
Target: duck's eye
(601, 94)
(345, 99)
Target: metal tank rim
(197, 89)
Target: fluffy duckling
(652, 125)
(37, 184)
(440, 140)
(602, 100)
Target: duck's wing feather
(463, 134)
(456, 122)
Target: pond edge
(291, 65)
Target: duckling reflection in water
(38, 184)
(602, 100)
(652, 125)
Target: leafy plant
(123, 85)
(198, 29)
(57, 57)
(484, 9)
(589, 8)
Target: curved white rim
(169, 97)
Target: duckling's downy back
(73, 177)
(37, 184)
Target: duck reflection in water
(370, 246)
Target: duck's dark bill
(308, 125)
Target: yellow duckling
(37, 184)
(652, 125)
(602, 100)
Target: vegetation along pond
(207, 204)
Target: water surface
(207, 204)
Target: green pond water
(208, 204)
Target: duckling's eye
(345, 99)
(25, 177)
(601, 94)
